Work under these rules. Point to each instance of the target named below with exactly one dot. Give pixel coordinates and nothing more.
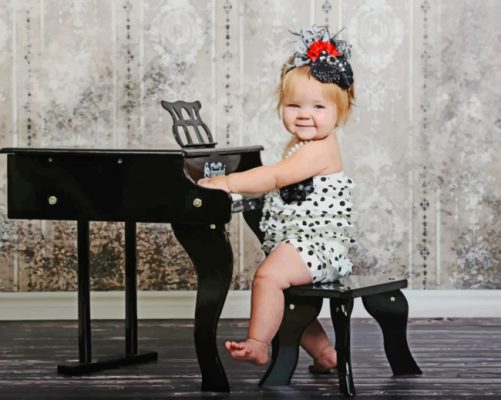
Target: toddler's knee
(269, 278)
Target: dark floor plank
(460, 358)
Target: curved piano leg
(391, 310)
(340, 315)
(210, 251)
(298, 314)
(253, 218)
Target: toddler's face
(307, 113)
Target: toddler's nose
(303, 114)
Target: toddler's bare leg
(318, 346)
(281, 269)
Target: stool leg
(340, 315)
(391, 310)
(298, 314)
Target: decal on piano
(214, 169)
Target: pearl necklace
(296, 147)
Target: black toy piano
(142, 186)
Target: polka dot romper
(316, 225)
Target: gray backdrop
(422, 144)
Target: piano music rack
(186, 120)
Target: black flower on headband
(327, 56)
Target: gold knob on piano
(52, 200)
(197, 203)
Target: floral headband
(327, 56)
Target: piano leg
(131, 354)
(130, 289)
(210, 251)
(85, 364)
(253, 218)
(84, 330)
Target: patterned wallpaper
(422, 144)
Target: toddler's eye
(319, 106)
(293, 105)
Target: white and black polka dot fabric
(317, 226)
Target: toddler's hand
(215, 182)
(205, 182)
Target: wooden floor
(461, 359)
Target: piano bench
(382, 299)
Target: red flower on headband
(317, 47)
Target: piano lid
(85, 151)
(187, 152)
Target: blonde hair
(343, 98)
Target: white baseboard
(181, 305)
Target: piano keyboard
(241, 203)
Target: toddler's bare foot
(325, 362)
(251, 350)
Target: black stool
(382, 299)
